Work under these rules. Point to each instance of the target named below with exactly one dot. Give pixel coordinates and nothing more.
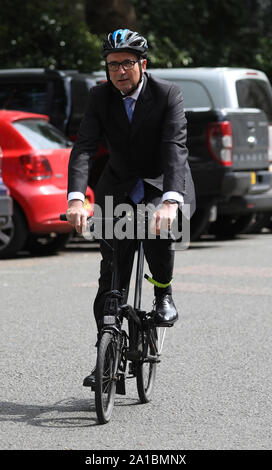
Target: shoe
(89, 381)
(165, 310)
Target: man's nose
(121, 69)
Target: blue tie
(129, 109)
(137, 193)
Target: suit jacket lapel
(118, 114)
(142, 108)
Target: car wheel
(260, 221)
(227, 226)
(14, 234)
(46, 244)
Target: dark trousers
(158, 254)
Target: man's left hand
(163, 217)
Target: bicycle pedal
(120, 385)
(153, 359)
(164, 325)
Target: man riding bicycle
(143, 123)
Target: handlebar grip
(63, 217)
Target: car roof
(36, 71)
(206, 72)
(44, 74)
(13, 115)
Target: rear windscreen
(41, 135)
(254, 93)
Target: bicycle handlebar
(63, 218)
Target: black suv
(59, 94)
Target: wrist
(75, 203)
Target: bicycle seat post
(139, 276)
(115, 274)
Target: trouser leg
(159, 253)
(126, 251)
(160, 258)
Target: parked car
(5, 211)
(60, 94)
(34, 167)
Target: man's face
(125, 80)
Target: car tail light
(36, 167)
(219, 138)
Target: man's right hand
(77, 215)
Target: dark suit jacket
(152, 147)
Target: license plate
(253, 177)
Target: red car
(34, 167)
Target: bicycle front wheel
(146, 370)
(106, 377)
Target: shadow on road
(58, 415)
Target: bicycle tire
(106, 372)
(146, 371)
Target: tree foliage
(207, 32)
(46, 34)
(107, 15)
(180, 33)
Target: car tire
(260, 221)
(46, 244)
(13, 237)
(228, 226)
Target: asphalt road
(213, 388)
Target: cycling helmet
(124, 40)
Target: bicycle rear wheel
(106, 377)
(146, 371)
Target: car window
(254, 93)
(31, 97)
(194, 94)
(41, 135)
